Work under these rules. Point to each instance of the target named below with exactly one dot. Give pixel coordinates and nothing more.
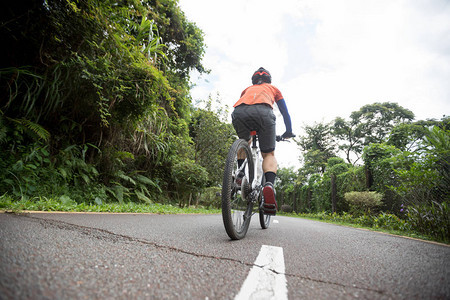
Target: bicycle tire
(236, 212)
(264, 220)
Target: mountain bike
(243, 181)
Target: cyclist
(254, 112)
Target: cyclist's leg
(269, 162)
(266, 136)
(241, 125)
(240, 121)
(270, 170)
(241, 153)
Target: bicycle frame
(256, 184)
(257, 162)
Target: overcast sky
(327, 57)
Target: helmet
(261, 75)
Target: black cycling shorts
(259, 118)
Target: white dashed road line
(266, 279)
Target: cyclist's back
(264, 93)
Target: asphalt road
(144, 256)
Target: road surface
(145, 256)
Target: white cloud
(329, 58)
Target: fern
(40, 131)
(148, 181)
(141, 196)
(3, 129)
(27, 125)
(126, 178)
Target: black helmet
(261, 75)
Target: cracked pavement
(135, 256)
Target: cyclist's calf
(269, 162)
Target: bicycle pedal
(271, 212)
(269, 209)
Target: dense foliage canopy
(96, 94)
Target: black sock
(270, 177)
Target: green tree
(371, 124)
(318, 146)
(380, 162)
(409, 136)
(212, 137)
(286, 186)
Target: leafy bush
(286, 208)
(425, 178)
(33, 171)
(391, 222)
(352, 180)
(365, 220)
(321, 195)
(210, 197)
(212, 137)
(189, 178)
(362, 203)
(432, 220)
(417, 183)
(22, 178)
(304, 201)
(133, 186)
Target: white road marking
(266, 279)
(275, 221)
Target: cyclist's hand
(288, 135)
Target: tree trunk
(369, 177)
(294, 202)
(333, 193)
(309, 198)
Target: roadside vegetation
(400, 183)
(387, 223)
(97, 105)
(383, 222)
(67, 205)
(96, 115)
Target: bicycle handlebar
(280, 138)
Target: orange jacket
(260, 93)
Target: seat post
(253, 135)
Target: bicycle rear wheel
(236, 210)
(264, 219)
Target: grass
(394, 225)
(51, 204)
